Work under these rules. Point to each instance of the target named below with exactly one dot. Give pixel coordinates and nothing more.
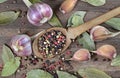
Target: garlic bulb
(38, 13)
(21, 45)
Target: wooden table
(21, 25)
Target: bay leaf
(62, 74)
(114, 23)
(8, 16)
(37, 73)
(87, 42)
(92, 73)
(1, 1)
(10, 67)
(95, 2)
(116, 61)
(7, 54)
(76, 18)
(35, 1)
(54, 21)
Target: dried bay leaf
(11, 63)
(76, 18)
(1, 1)
(10, 67)
(114, 23)
(37, 73)
(87, 42)
(116, 61)
(54, 21)
(92, 73)
(95, 2)
(62, 74)
(7, 54)
(8, 16)
(76, 21)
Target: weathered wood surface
(23, 26)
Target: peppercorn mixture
(51, 43)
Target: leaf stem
(27, 3)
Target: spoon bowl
(35, 43)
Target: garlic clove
(67, 6)
(107, 51)
(21, 45)
(99, 33)
(81, 55)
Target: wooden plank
(22, 24)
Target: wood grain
(23, 26)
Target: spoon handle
(73, 32)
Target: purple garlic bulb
(39, 13)
(21, 45)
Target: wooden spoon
(73, 32)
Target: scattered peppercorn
(18, 70)
(33, 60)
(60, 68)
(68, 53)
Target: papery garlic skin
(107, 51)
(39, 13)
(67, 6)
(21, 45)
(98, 33)
(81, 55)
